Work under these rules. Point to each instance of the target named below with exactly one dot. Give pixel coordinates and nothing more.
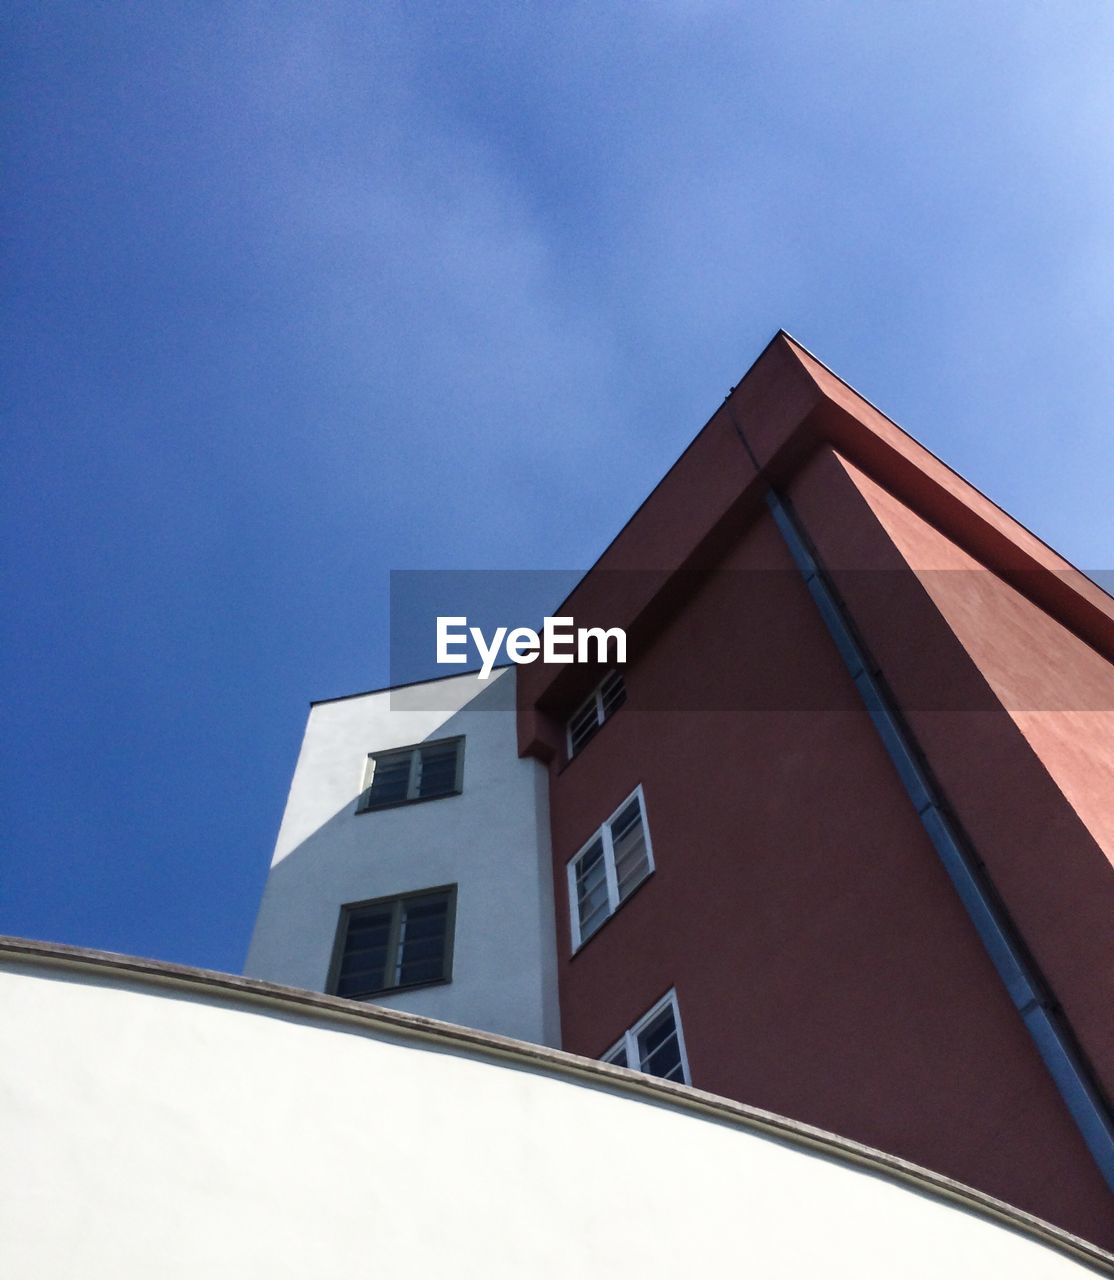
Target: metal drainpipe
(1030, 994)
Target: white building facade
(413, 863)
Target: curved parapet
(164, 1121)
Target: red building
(873, 720)
(836, 841)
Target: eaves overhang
(786, 407)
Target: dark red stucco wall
(824, 966)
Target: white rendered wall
(492, 841)
(170, 1133)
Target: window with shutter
(604, 700)
(655, 1044)
(609, 868)
(426, 771)
(389, 944)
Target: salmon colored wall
(923, 630)
(825, 968)
(1058, 690)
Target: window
(655, 1044)
(392, 943)
(425, 772)
(605, 699)
(609, 868)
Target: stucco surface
(1059, 691)
(492, 841)
(1008, 709)
(824, 966)
(164, 1132)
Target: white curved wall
(175, 1132)
(492, 841)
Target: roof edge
(1090, 593)
(407, 684)
(328, 1008)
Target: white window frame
(603, 832)
(595, 697)
(628, 1041)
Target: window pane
(428, 907)
(391, 779)
(628, 838)
(592, 917)
(591, 889)
(377, 917)
(356, 986)
(438, 770)
(377, 960)
(367, 932)
(607, 698)
(364, 963)
(422, 936)
(613, 694)
(415, 971)
(659, 1047)
(362, 959)
(590, 864)
(617, 1057)
(419, 928)
(362, 973)
(583, 725)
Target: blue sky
(295, 295)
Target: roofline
(781, 333)
(408, 684)
(814, 407)
(311, 1004)
(784, 333)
